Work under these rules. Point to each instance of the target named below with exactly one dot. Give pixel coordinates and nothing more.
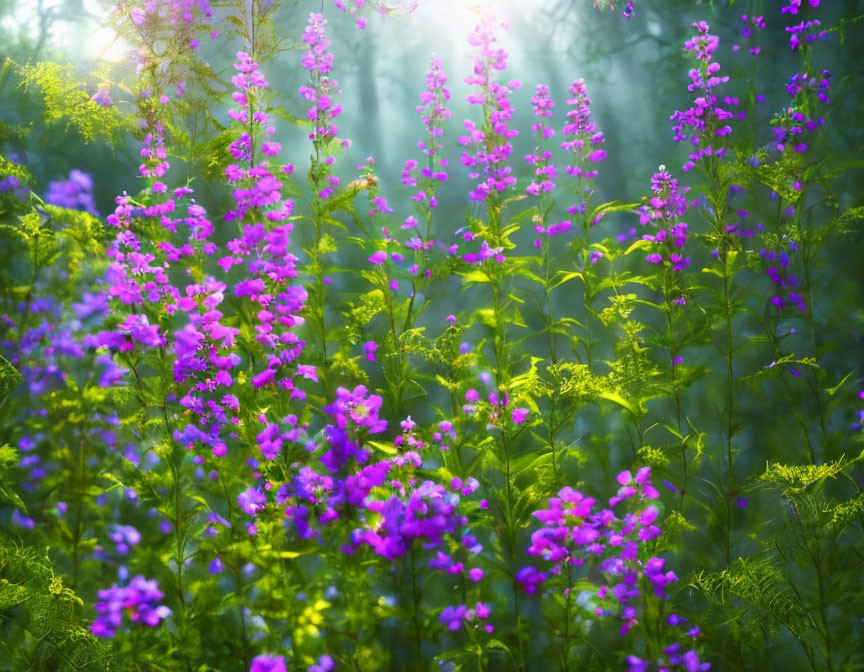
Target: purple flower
(102, 97)
(357, 407)
(268, 664)
(325, 663)
(138, 601)
(490, 142)
(452, 617)
(662, 213)
(252, 501)
(635, 664)
(124, 537)
(378, 257)
(544, 170)
(706, 120)
(75, 193)
(797, 123)
(370, 348)
(320, 94)
(795, 5)
(20, 520)
(215, 567)
(805, 32)
(433, 112)
(530, 579)
(584, 141)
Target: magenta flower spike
(703, 123)
(489, 144)
(662, 214)
(585, 143)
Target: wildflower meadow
(393, 335)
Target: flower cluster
(491, 140)
(263, 249)
(805, 33)
(204, 358)
(455, 617)
(40, 340)
(795, 5)
(432, 109)
(751, 24)
(794, 124)
(139, 600)
(584, 142)
(496, 409)
(306, 499)
(76, 193)
(138, 274)
(705, 120)
(322, 86)
(277, 664)
(36, 350)
(124, 538)
(673, 658)
(358, 408)
(310, 497)
(783, 282)
(426, 179)
(433, 112)
(426, 514)
(544, 171)
(663, 210)
(575, 534)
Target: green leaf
(9, 378)
(563, 277)
(475, 276)
(638, 245)
(621, 401)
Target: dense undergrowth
(257, 418)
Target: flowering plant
(486, 405)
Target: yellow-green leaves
(65, 99)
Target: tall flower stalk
(320, 91)
(703, 126)
(490, 145)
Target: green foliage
(9, 379)
(65, 100)
(769, 600)
(799, 478)
(582, 360)
(8, 459)
(40, 619)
